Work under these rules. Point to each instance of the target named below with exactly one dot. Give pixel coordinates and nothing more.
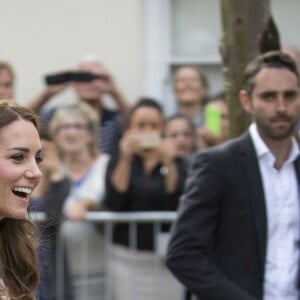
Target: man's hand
(54, 89)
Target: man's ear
(245, 101)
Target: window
(188, 32)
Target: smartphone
(149, 140)
(61, 78)
(212, 118)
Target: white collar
(262, 149)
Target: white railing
(108, 220)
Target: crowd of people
(134, 158)
(131, 158)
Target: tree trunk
(244, 23)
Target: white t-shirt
(78, 235)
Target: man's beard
(273, 132)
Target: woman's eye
(39, 158)
(17, 157)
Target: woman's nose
(33, 171)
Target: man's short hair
(272, 59)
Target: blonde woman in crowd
(74, 129)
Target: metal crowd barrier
(108, 220)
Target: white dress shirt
(283, 222)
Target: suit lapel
(256, 192)
(297, 167)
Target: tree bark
(244, 23)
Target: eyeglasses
(76, 126)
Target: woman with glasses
(74, 129)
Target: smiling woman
(20, 154)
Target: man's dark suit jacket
(218, 243)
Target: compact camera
(149, 140)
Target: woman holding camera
(146, 176)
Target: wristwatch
(165, 170)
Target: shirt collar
(262, 149)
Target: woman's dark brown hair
(18, 238)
